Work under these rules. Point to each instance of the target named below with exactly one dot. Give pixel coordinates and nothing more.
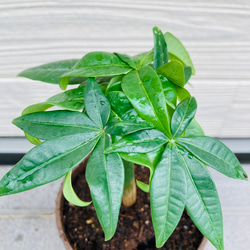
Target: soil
(134, 230)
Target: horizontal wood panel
(216, 33)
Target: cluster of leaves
(126, 107)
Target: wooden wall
(216, 33)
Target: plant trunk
(129, 193)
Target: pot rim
(58, 216)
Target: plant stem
(129, 193)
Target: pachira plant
(126, 110)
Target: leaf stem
(129, 193)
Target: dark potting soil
(134, 230)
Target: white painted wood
(216, 33)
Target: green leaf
(96, 104)
(144, 90)
(121, 106)
(150, 159)
(126, 127)
(43, 163)
(137, 61)
(187, 73)
(51, 124)
(160, 49)
(144, 58)
(177, 49)
(203, 204)
(77, 80)
(32, 139)
(143, 186)
(128, 60)
(121, 109)
(169, 90)
(182, 93)
(83, 80)
(193, 129)
(139, 142)
(71, 100)
(69, 193)
(167, 195)
(174, 71)
(50, 72)
(96, 64)
(114, 84)
(105, 176)
(215, 154)
(31, 109)
(183, 115)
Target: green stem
(129, 193)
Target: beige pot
(59, 205)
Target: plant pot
(138, 217)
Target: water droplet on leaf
(182, 150)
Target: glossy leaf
(144, 58)
(32, 109)
(105, 176)
(71, 100)
(51, 124)
(167, 195)
(187, 73)
(38, 107)
(215, 154)
(174, 71)
(47, 162)
(101, 80)
(50, 72)
(114, 84)
(121, 110)
(160, 49)
(139, 60)
(182, 93)
(143, 186)
(177, 49)
(96, 64)
(203, 204)
(144, 90)
(150, 159)
(183, 115)
(126, 127)
(69, 193)
(193, 129)
(32, 139)
(96, 104)
(169, 90)
(139, 142)
(77, 80)
(121, 106)
(127, 59)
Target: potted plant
(126, 110)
